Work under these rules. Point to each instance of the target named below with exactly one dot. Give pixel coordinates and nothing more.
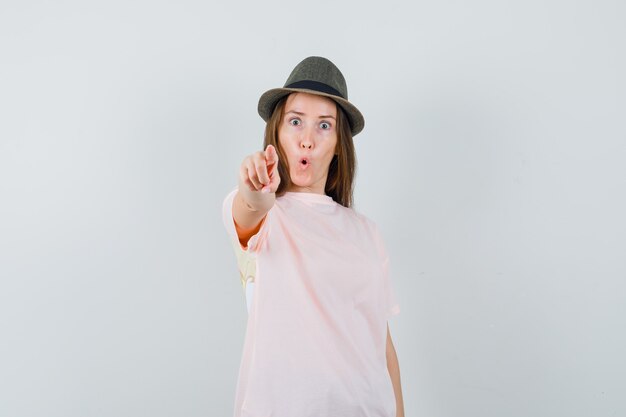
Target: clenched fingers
(245, 176)
(260, 166)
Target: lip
(304, 158)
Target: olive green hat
(314, 75)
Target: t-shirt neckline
(310, 197)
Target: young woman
(317, 340)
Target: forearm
(394, 372)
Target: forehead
(311, 104)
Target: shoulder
(372, 230)
(360, 216)
(363, 220)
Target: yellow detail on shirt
(246, 263)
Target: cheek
(284, 136)
(286, 147)
(283, 141)
(333, 146)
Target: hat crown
(318, 70)
(314, 75)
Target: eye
(295, 122)
(325, 125)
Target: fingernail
(265, 190)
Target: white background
(493, 160)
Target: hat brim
(268, 101)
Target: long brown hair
(342, 170)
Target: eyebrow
(326, 116)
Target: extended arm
(250, 205)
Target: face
(308, 136)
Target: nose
(306, 140)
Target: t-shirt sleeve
(246, 257)
(392, 307)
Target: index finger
(271, 156)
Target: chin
(302, 185)
(295, 180)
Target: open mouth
(304, 162)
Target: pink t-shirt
(315, 343)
